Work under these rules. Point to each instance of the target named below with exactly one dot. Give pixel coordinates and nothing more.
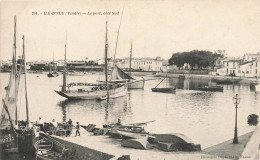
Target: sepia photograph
(129, 79)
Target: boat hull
(214, 88)
(14, 143)
(45, 149)
(132, 135)
(99, 94)
(53, 75)
(164, 90)
(255, 86)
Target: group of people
(54, 126)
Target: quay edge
(244, 80)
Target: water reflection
(112, 108)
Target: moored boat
(53, 74)
(133, 83)
(255, 85)
(211, 88)
(48, 148)
(164, 90)
(53, 69)
(100, 91)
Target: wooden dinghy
(49, 149)
(44, 150)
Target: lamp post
(236, 101)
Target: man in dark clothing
(77, 129)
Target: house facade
(229, 67)
(142, 64)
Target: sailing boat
(15, 135)
(119, 76)
(165, 89)
(95, 90)
(53, 73)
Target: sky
(155, 27)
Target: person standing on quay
(40, 124)
(77, 129)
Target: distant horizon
(117, 58)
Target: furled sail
(119, 74)
(10, 99)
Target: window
(255, 71)
(227, 63)
(255, 64)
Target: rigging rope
(118, 32)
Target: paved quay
(103, 147)
(228, 150)
(114, 150)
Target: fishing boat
(255, 85)
(119, 76)
(53, 73)
(211, 88)
(134, 83)
(164, 89)
(101, 90)
(15, 134)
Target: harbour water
(208, 118)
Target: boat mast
(106, 45)
(15, 72)
(25, 85)
(65, 69)
(130, 63)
